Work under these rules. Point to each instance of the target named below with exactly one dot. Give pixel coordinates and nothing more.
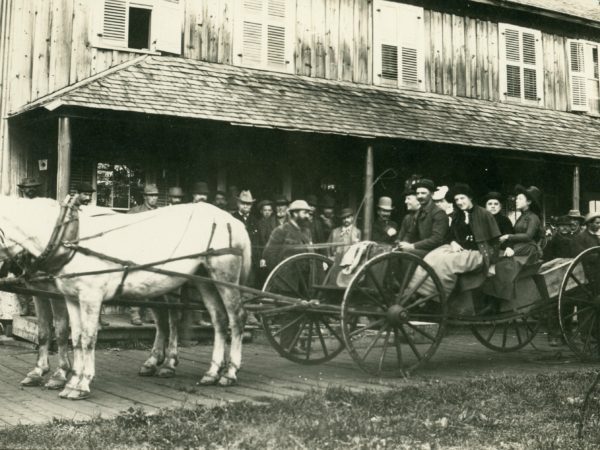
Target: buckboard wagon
(387, 327)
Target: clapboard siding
(50, 47)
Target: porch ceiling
(171, 86)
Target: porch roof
(172, 86)
(582, 9)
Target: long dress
(524, 242)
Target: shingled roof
(171, 86)
(583, 9)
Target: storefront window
(116, 185)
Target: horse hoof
(225, 381)
(78, 394)
(166, 372)
(54, 384)
(65, 393)
(208, 380)
(32, 380)
(147, 371)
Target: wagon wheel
(304, 336)
(507, 335)
(579, 304)
(394, 314)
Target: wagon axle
(397, 315)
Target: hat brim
(386, 208)
(29, 185)
(519, 189)
(245, 200)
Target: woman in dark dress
(493, 203)
(521, 247)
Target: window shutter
(577, 74)
(252, 32)
(399, 37)
(167, 24)
(115, 22)
(521, 77)
(276, 34)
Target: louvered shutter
(264, 34)
(114, 22)
(578, 78)
(167, 24)
(399, 37)
(521, 61)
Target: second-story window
(521, 65)
(264, 33)
(152, 25)
(583, 76)
(398, 35)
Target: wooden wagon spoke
(373, 342)
(411, 344)
(289, 285)
(422, 300)
(384, 350)
(294, 341)
(580, 300)
(302, 280)
(580, 284)
(491, 334)
(290, 324)
(589, 334)
(309, 341)
(375, 300)
(421, 332)
(416, 287)
(579, 311)
(398, 346)
(407, 276)
(367, 327)
(376, 283)
(331, 330)
(517, 332)
(321, 339)
(581, 326)
(505, 334)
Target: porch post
(63, 169)
(368, 204)
(576, 188)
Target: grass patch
(532, 412)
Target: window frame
(588, 73)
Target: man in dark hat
(562, 244)
(326, 218)
(29, 187)
(175, 195)
(431, 223)
(281, 206)
(200, 192)
(576, 221)
(347, 234)
(84, 194)
(493, 203)
(318, 232)
(408, 224)
(384, 229)
(220, 200)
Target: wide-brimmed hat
(312, 200)
(175, 191)
(460, 189)
(29, 182)
(328, 202)
(563, 220)
(299, 205)
(533, 193)
(575, 214)
(493, 195)
(246, 197)
(200, 188)
(385, 203)
(150, 189)
(424, 183)
(263, 203)
(409, 191)
(281, 200)
(346, 212)
(440, 193)
(85, 188)
(591, 216)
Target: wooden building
(301, 96)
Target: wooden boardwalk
(265, 375)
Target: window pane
(139, 28)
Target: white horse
(161, 235)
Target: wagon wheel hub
(397, 315)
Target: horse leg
(219, 319)
(90, 313)
(42, 366)
(232, 301)
(157, 355)
(168, 368)
(61, 331)
(75, 320)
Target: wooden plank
(191, 29)
(561, 85)
(103, 59)
(437, 39)
(303, 38)
(212, 23)
(361, 49)
(319, 45)
(20, 60)
(493, 61)
(41, 50)
(204, 31)
(81, 55)
(471, 56)
(332, 38)
(458, 66)
(447, 54)
(60, 43)
(428, 52)
(346, 40)
(549, 70)
(368, 211)
(482, 59)
(226, 32)
(63, 166)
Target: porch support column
(368, 201)
(63, 169)
(576, 188)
